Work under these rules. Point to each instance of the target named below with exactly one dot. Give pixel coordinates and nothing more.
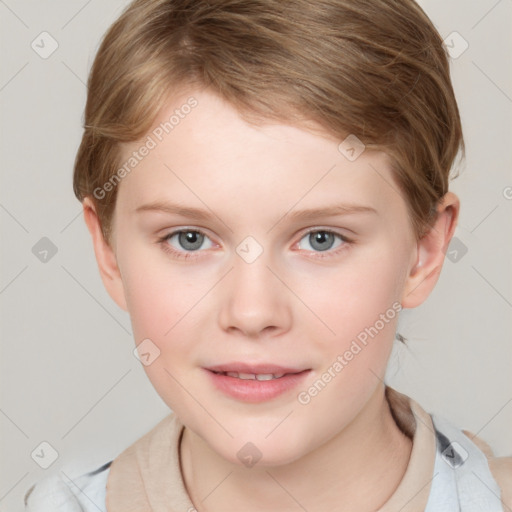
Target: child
(257, 131)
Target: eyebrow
(299, 215)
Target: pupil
(320, 238)
(190, 240)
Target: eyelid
(167, 233)
(322, 228)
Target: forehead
(209, 153)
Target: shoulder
(501, 468)
(59, 493)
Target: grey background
(69, 376)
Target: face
(260, 250)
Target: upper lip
(257, 369)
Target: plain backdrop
(69, 377)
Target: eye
(323, 240)
(185, 241)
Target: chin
(277, 452)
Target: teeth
(246, 376)
(265, 376)
(232, 374)
(253, 376)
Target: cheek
(359, 309)
(158, 294)
(154, 306)
(160, 307)
(352, 297)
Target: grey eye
(321, 240)
(188, 240)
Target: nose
(254, 301)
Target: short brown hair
(377, 69)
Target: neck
(370, 453)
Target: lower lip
(253, 390)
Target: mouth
(263, 371)
(254, 376)
(255, 383)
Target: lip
(253, 368)
(256, 391)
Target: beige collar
(413, 491)
(147, 476)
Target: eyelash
(187, 255)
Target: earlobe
(105, 256)
(431, 251)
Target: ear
(105, 256)
(431, 251)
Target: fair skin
(290, 306)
